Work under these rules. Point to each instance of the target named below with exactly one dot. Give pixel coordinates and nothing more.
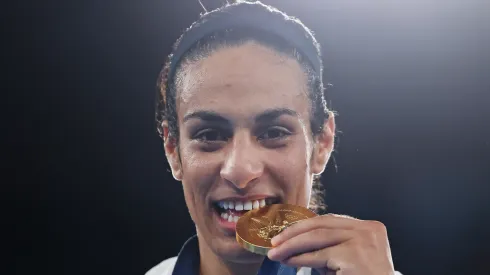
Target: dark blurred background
(93, 194)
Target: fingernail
(275, 240)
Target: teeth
(238, 206)
(247, 205)
(229, 218)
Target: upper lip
(245, 198)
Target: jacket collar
(188, 262)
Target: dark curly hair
(227, 36)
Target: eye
(273, 133)
(210, 135)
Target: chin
(228, 249)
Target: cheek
(291, 169)
(198, 176)
(197, 164)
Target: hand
(334, 244)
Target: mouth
(230, 210)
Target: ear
(170, 144)
(324, 144)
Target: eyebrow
(267, 115)
(271, 114)
(207, 116)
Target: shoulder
(164, 268)
(309, 271)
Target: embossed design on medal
(256, 228)
(270, 230)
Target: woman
(242, 113)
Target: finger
(316, 239)
(318, 271)
(330, 221)
(330, 259)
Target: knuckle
(377, 226)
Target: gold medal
(256, 228)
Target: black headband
(254, 16)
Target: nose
(242, 164)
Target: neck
(211, 264)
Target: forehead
(246, 78)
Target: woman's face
(245, 140)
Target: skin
(277, 155)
